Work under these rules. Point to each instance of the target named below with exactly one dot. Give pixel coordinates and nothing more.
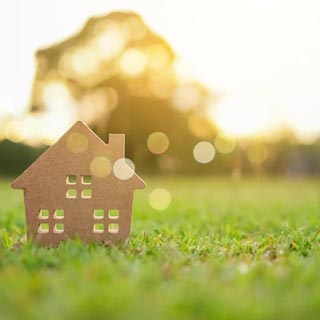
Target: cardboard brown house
(80, 187)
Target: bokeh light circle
(257, 152)
(15, 131)
(158, 142)
(133, 62)
(123, 169)
(77, 142)
(100, 167)
(160, 199)
(224, 144)
(204, 152)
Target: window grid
(106, 221)
(51, 221)
(79, 186)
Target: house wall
(57, 182)
(79, 213)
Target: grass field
(229, 249)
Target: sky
(261, 54)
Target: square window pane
(86, 194)
(72, 179)
(43, 228)
(113, 228)
(59, 214)
(44, 214)
(98, 228)
(113, 214)
(71, 193)
(98, 214)
(86, 179)
(58, 228)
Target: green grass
(246, 249)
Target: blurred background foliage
(120, 77)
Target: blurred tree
(120, 77)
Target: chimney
(117, 145)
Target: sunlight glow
(56, 96)
(133, 62)
(246, 113)
(109, 42)
(15, 131)
(186, 96)
(243, 50)
(158, 57)
(200, 126)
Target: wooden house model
(80, 187)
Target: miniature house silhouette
(73, 190)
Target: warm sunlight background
(256, 54)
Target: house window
(43, 214)
(86, 179)
(58, 228)
(71, 193)
(72, 179)
(98, 228)
(113, 228)
(86, 194)
(51, 220)
(114, 214)
(58, 214)
(43, 228)
(79, 186)
(108, 221)
(98, 214)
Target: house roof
(78, 145)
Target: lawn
(231, 249)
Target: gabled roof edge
(16, 183)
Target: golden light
(100, 167)
(2, 136)
(81, 61)
(182, 70)
(15, 131)
(123, 169)
(85, 62)
(158, 57)
(224, 144)
(97, 103)
(159, 87)
(200, 126)
(133, 62)
(32, 123)
(56, 96)
(77, 142)
(160, 199)
(186, 97)
(305, 124)
(136, 28)
(65, 64)
(110, 42)
(257, 152)
(204, 152)
(158, 142)
(251, 57)
(245, 114)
